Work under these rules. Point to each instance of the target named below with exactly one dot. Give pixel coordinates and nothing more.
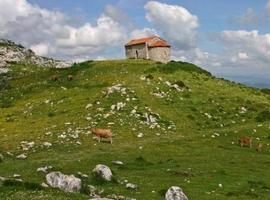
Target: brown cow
(102, 133)
(54, 78)
(245, 141)
(69, 77)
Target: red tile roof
(153, 41)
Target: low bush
(263, 116)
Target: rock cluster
(175, 193)
(11, 52)
(64, 182)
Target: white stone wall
(131, 51)
(160, 54)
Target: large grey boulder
(64, 182)
(103, 171)
(175, 193)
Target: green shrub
(4, 84)
(263, 116)
(26, 185)
(51, 114)
(173, 67)
(266, 91)
(5, 102)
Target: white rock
(82, 175)
(175, 193)
(1, 157)
(88, 106)
(120, 105)
(16, 175)
(131, 186)
(44, 169)
(21, 156)
(44, 185)
(117, 162)
(140, 135)
(103, 171)
(64, 182)
(47, 144)
(114, 88)
(2, 178)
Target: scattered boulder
(92, 191)
(44, 169)
(44, 185)
(98, 198)
(2, 179)
(175, 193)
(47, 144)
(117, 162)
(64, 182)
(16, 175)
(131, 186)
(21, 156)
(103, 171)
(114, 88)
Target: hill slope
(173, 124)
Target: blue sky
(227, 37)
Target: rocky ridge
(11, 52)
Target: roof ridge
(144, 40)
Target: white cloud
(249, 18)
(268, 6)
(255, 44)
(106, 32)
(175, 23)
(51, 32)
(119, 16)
(243, 56)
(40, 49)
(145, 32)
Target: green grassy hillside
(188, 123)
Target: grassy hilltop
(188, 123)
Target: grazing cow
(102, 133)
(69, 77)
(245, 141)
(54, 78)
(259, 147)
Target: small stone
(140, 135)
(21, 156)
(131, 186)
(117, 162)
(44, 185)
(1, 157)
(44, 169)
(47, 144)
(88, 106)
(175, 193)
(16, 175)
(2, 179)
(103, 171)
